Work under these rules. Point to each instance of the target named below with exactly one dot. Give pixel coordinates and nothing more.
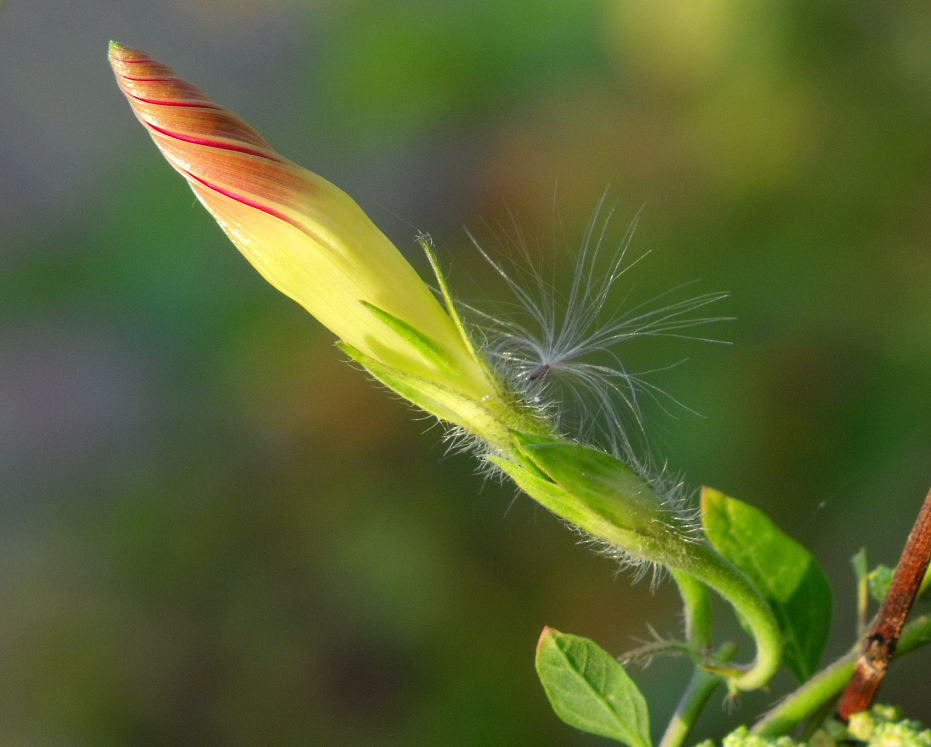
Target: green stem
(830, 681)
(708, 566)
(814, 722)
(697, 606)
(694, 699)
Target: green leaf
(880, 578)
(589, 690)
(878, 581)
(784, 571)
(861, 571)
(925, 582)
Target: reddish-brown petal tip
(174, 109)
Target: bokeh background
(215, 532)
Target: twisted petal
(307, 237)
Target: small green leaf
(878, 581)
(784, 571)
(589, 690)
(860, 571)
(925, 582)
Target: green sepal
(426, 346)
(579, 513)
(427, 246)
(558, 500)
(605, 484)
(598, 494)
(588, 689)
(525, 461)
(786, 574)
(434, 398)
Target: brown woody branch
(879, 644)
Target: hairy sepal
(436, 399)
(569, 508)
(605, 484)
(598, 494)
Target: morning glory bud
(315, 244)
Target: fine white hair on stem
(557, 345)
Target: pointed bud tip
(117, 53)
(115, 50)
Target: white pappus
(556, 344)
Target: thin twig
(879, 645)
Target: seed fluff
(556, 345)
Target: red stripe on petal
(130, 77)
(247, 201)
(160, 102)
(223, 145)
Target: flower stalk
(693, 700)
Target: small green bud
(883, 726)
(741, 737)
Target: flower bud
(313, 242)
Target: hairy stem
(706, 565)
(697, 606)
(694, 699)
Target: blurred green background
(216, 532)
